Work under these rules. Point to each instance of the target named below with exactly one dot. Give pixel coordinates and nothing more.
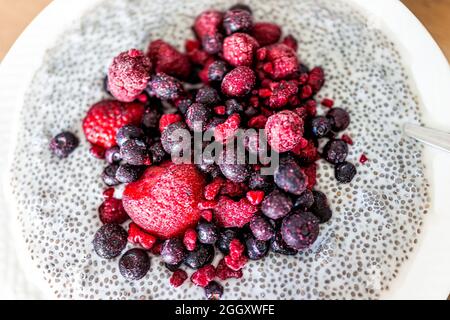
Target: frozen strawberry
(105, 118)
(138, 236)
(266, 33)
(239, 49)
(165, 58)
(230, 213)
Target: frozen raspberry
(164, 87)
(347, 139)
(339, 119)
(178, 278)
(233, 189)
(220, 110)
(168, 119)
(230, 213)
(276, 205)
(239, 49)
(291, 42)
(256, 249)
(97, 152)
(316, 79)
(257, 122)
(255, 197)
(203, 276)
(110, 240)
(236, 249)
(335, 151)
(363, 159)
(112, 211)
(207, 96)
(345, 172)
(284, 130)
(280, 61)
(166, 59)
(223, 272)
(237, 20)
(327, 103)
(157, 248)
(282, 94)
(261, 228)
(190, 239)
(212, 190)
(128, 75)
(198, 116)
(239, 82)
(105, 118)
(311, 107)
(213, 291)
(64, 144)
(266, 33)
(306, 154)
(311, 172)
(138, 236)
(217, 71)
(300, 230)
(235, 264)
(289, 177)
(108, 193)
(212, 43)
(207, 215)
(207, 23)
(134, 264)
(226, 131)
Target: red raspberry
(307, 154)
(203, 276)
(165, 58)
(97, 152)
(311, 107)
(235, 264)
(255, 197)
(307, 92)
(363, 159)
(178, 278)
(284, 130)
(199, 57)
(190, 239)
(291, 42)
(230, 213)
(327, 103)
(236, 249)
(224, 273)
(138, 236)
(346, 138)
(108, 193)
(213, 189)
(207, 215)
(311, 172)
(266, 33)
(224, 132)
(157, 248)
(191, 45)
(112, 211)
(301, 111)
(281, 61)
(208, 23)
(233, 189)
(206, 205)
(128, 75)
(316, 79)
(257, 122)
(105, 118)
(282, 94)
(239, 49)
(168, 119)
(239, 82)
(220, 110)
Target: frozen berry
(217, 71)
(284, 130)
(304, 200)
(178, 278)
(207, 233)
(261, 182)
(110, 240)
(335, 151)
(97, 152)
(168, 60)
(255, 197)
(190, 239)
(134, 152)
(212, 43)
(168, 119)
(213, 291)
(201, 256)
(139, 236)
(208, 22)
(128, 132)
(212, 190)
(261, 228)
(344, 172)
(278, 245)
(157, 152)
(109, 175)
(237, 20)
(134, 264)
(320, 126)
(173, 251)
(233, 106)
(203, 276)
(224, 239)
(230, 213)
(282, 93)
(291, 42)
(164, 87)
(198, 116)
(239, 49)
(112, 155)
(290, 177)
(339, 119)
(256, 249)
(223, 272)
(236, 263)
(171, 138)
(239, 82)
(207, 96)
(127, 173)
(225, 132)
(316, 79)
(363, 159)
(173, 267)
(329, 103)
(300, 230)
(280, 61)
(241, 6)
(276, 205)
(112, 211)
(232, 167)
(266, 33)
(63, 144)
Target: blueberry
(261, 228)
(261, 182)
(339, 119)
(157, 152)
(172, 267)
(233, 168)
(128, 132)
(304, 201)
(320, 207)
(290, 177)
(207, 233)
(344, 172)
(237, 20)
(173, 251)
(335, 151)
(110, 240)
(212, 43)
(134, 264)
(198, 116)
(127, 173)
(256, 249)
(171, 140)
(278, 245)
(209, 168)
(224, 239)
(217, 70)
(320, 126)
(207, 96)
(233, 106)
(276, 205)
(215, 121)
(134, 152)
(241, 6)
(201, 256)
(109, 175)
(213, 291)
(150, 119)
(164, 87)
(63, 144)
(300, 230)
(112, 155)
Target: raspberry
(327, 103)
(233, 189)
(178, 278)
(255, 197)
(284, 130)
(257, 122)
(306, 154)
(190, 239)
(235, 264)
(207, 215)
(128, 75)
(203, 276)
(213, 189)
(363, 159)
(97, 152)
(224, 132)
(311, 172)
(157, 248)
(166, 59)
(220, 110)
(108, 193)
(239, 82)
(282, 94)
(230, 213)
(347, 139)
(281, 61)
(199, 57)
(266, 33)
(63, 144)
(168, 119)
(105, 118)
(291, 42)
(306, 93)
(138, 236)
(239, 49)
(164, 87)
(206, 204)
(236, 249)
(237, 20)
(311, 107)
(207, 23)
(224, 273)
(316, 79)
(112, 211)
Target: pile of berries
(245, 75)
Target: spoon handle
(432, 137)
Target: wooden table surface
(15, 15)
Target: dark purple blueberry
(213, 291)
(207, 233)
(172, 267)
(183, 104)
(241, 6)
(109, 175)
(212, 43)
(304, 201)
(300, 230)
(339, 119)
(201, 256)
(164, 87)
(110, 240)
(320, 207)
(237, 21)
(157, 152)
(344, 172)
(173, 251)
(134, 152)
(112, 155)
(217, 71)
(233, 106)
(150, 119)
(320, 126)
(335, 151)
(215, 121)
(323, 214)
(105, 85)
(63, 144)
(261, 228)
(278, 245)
(207, 96)
(224, 239)
(290, 177)
(261, 182)
(198, 116)
(171, 140)
(127, 133)
(276, 205)
(232, 167)
(127, 173)
(256, 249)
(134, 264)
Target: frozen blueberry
(183, 104)
(256, 249)
(201, 256)
(335, 151)
(261, 182)
(276, 205)
(207, 96)
(164, 87)
(63, 144)
(304, 201)
(233, 106)
(207, 233)
(290, 177)
(339, 119)
(261, 228)
(173, 251)
(320, 126)
(150, 119)
(320, 207)
(109, 175)
(217, 70)
(157, 152)
(112, 155)
(300, 230)
(110, 240)
(232, 168)
(344, 172)
(278, 245)
(237, 20)
(172, 267)
(198, 116)
(127, 173)
(134, 264)
(172, 138)
(134, 152)
(224, 239)
(212, 43)
(213, 291)
(241, 6)
(128, 132)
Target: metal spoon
(432, 137)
